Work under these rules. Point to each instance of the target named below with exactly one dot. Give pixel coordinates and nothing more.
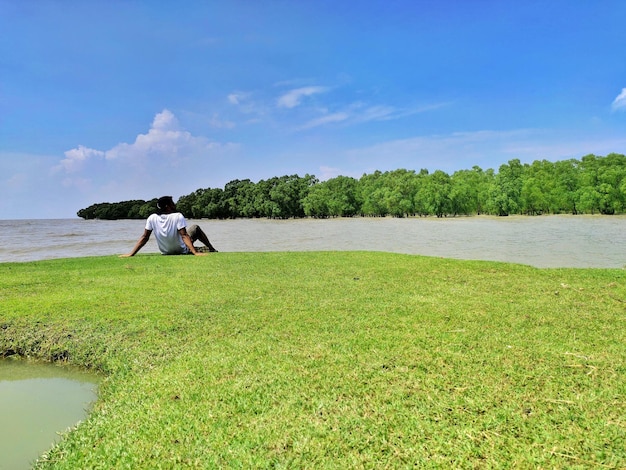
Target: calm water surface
(37, 401)
(546, 241)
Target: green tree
(282, 197)
(315, 204)
(239, 199)
(402, 186)
(593, 184)
(506, 189)
(420, 199)
(186, 203)
(373, 194)
(566, 188)
(588, 195)
(468, 193)
(611, 173)
(209, 203)
(343, 198)
(538, 181)
(435, 193)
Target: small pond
(37, 402)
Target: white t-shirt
(165, 228)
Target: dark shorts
(192, 231)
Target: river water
(544, 241)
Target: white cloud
(165, 120)
(164, 142)
(619, 103)
(75, 159)
(293, 98)
(165, 155)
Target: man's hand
(127, 255)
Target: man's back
(165, 228)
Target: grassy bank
(329, 360)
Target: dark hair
(163, 202)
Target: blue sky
(114, 100)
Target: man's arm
(140, 243)
(188, 243)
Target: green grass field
(329, 360)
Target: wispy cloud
(326, 119)
(303, 114)
(220, 123)
(248, 103)
(359, 113)
(619, 103)
(236, 97)
(294, 97)
(373, 113)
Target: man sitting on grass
(170, 229)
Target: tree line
(590, 185)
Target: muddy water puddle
(37, 403)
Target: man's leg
(196, 233)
